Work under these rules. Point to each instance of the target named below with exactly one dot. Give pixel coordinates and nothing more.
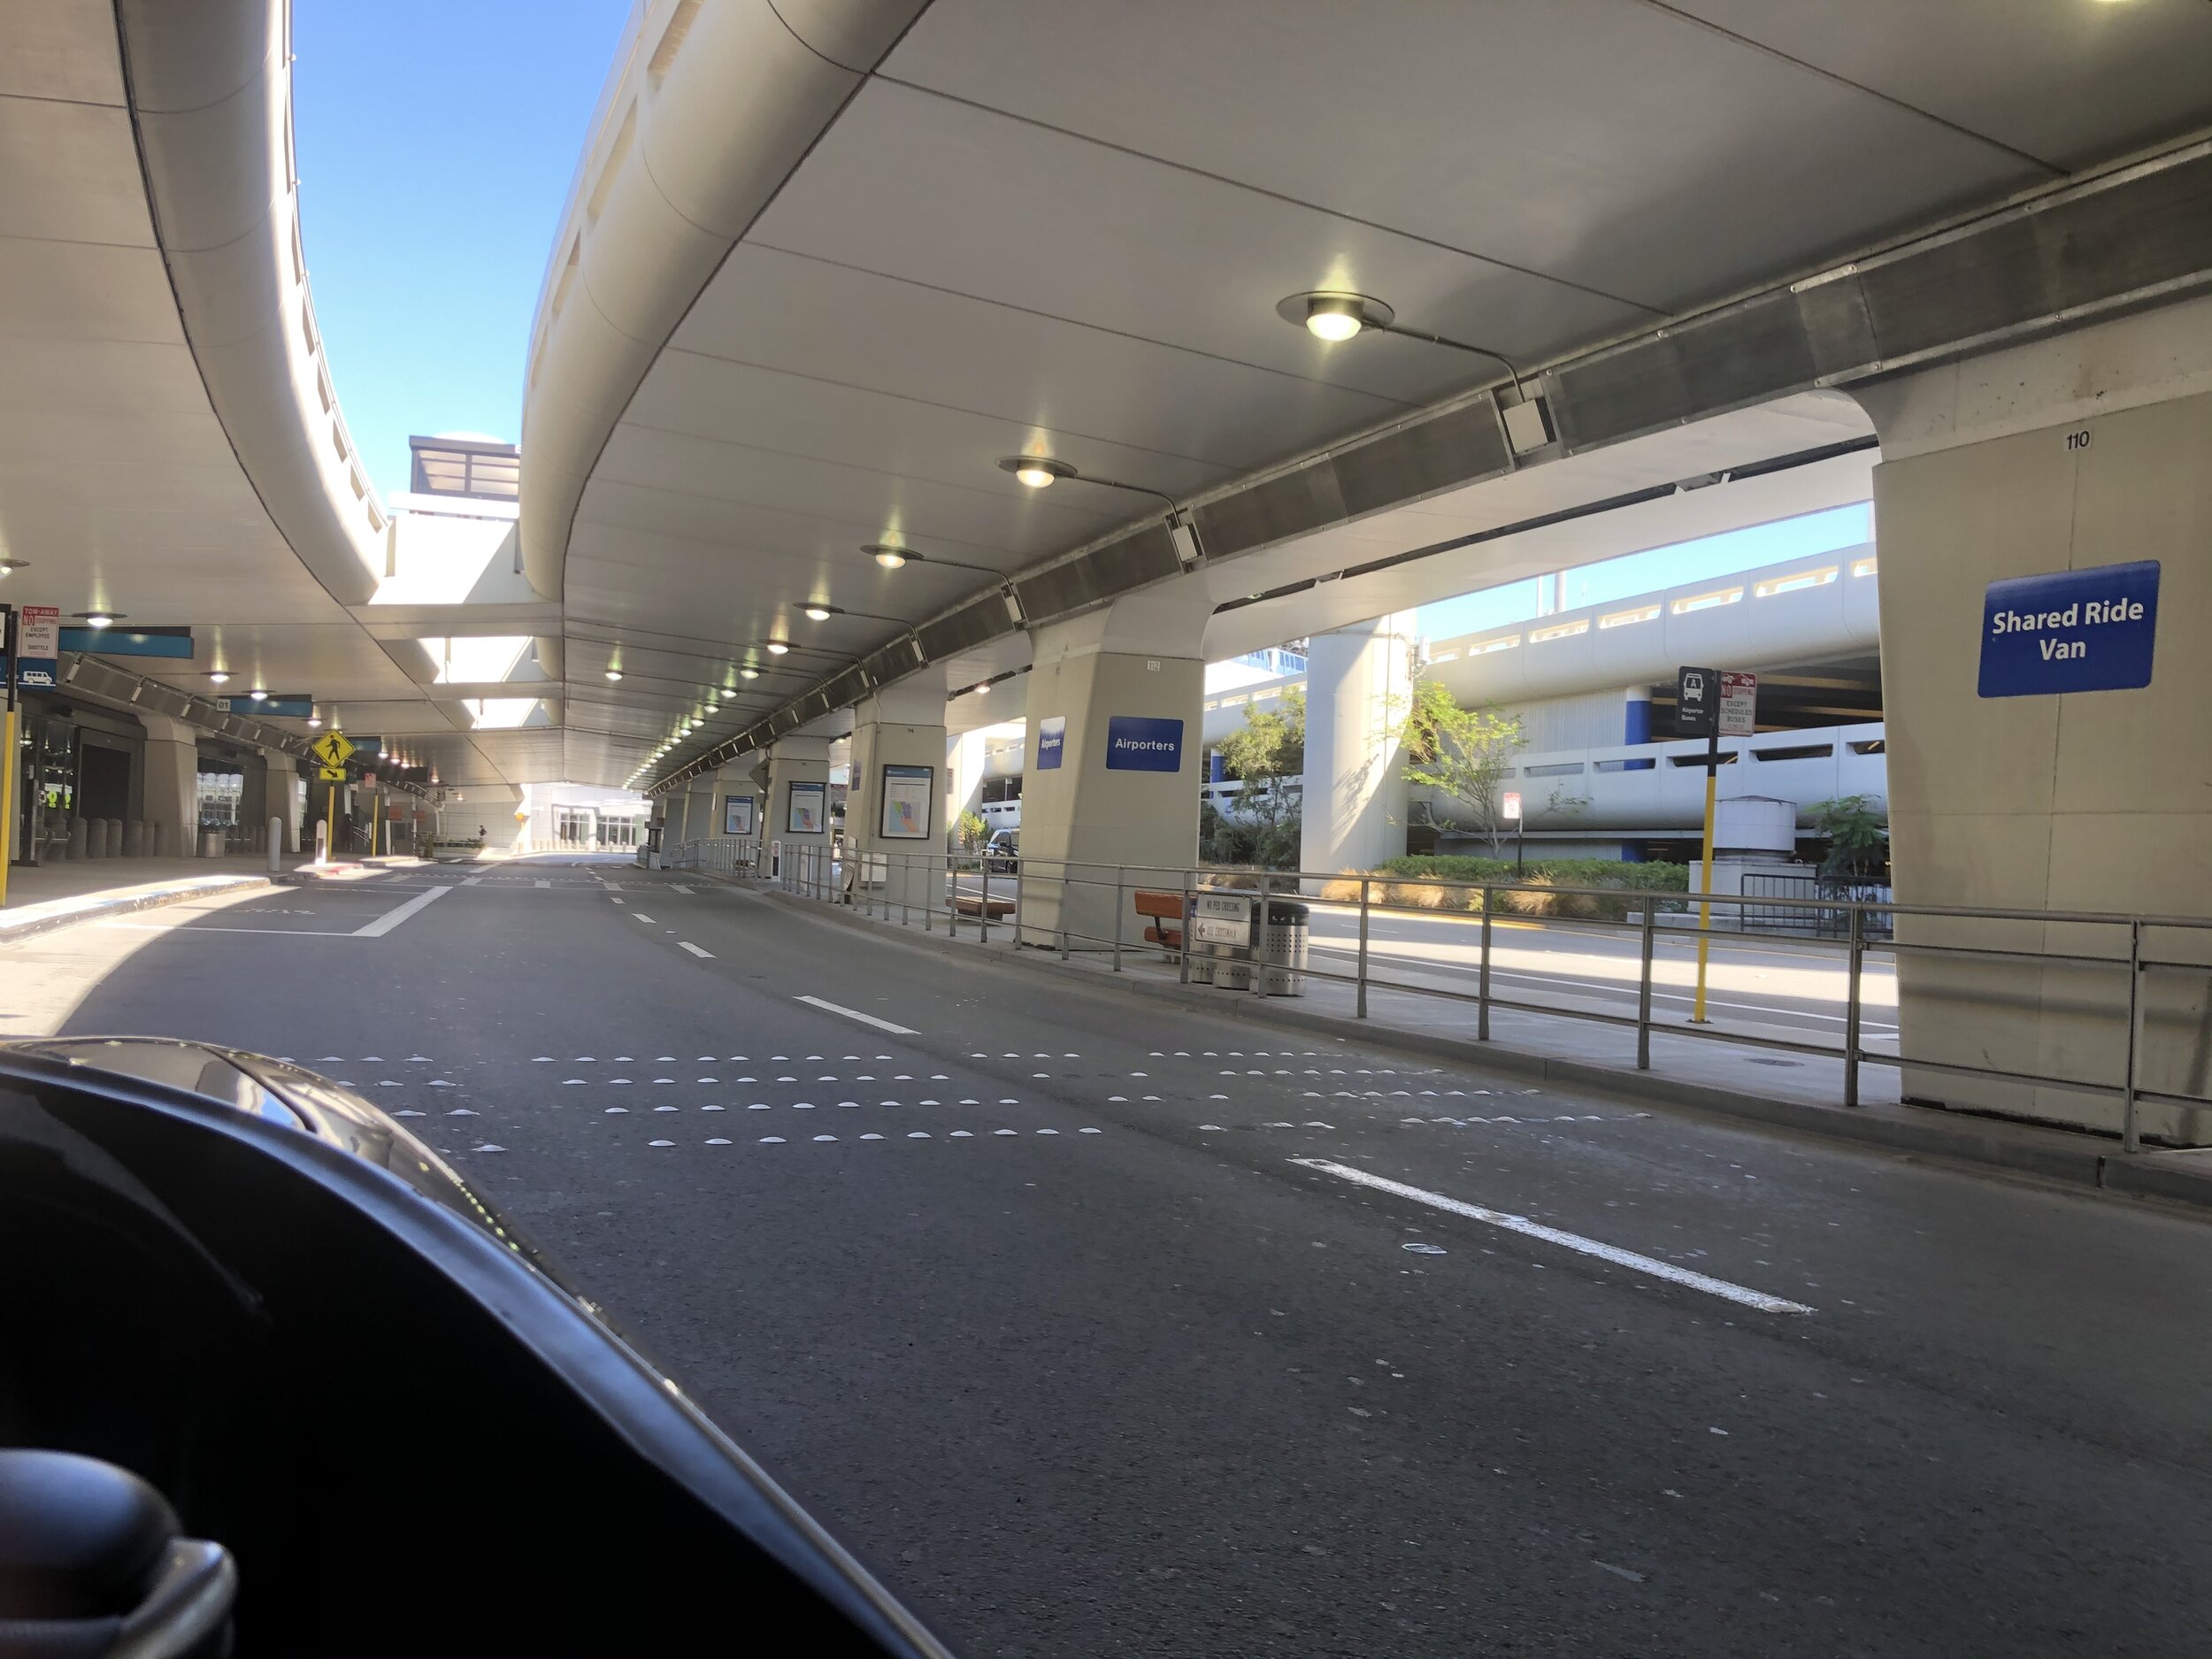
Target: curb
(30, 928)
(2183, 1177)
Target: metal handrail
(825, 873)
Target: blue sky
(1658, 567)
(435, 144)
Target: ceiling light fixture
(1036, 470)
(822, 613)
(775, 648)
(314, 720)
(889, 558)
(749, 673)
(1338, 315)
(983, 688)
(96, 619)
(258, 694)
(7, 566)
(218, 677)
(614, 675)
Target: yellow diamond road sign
(332, 748)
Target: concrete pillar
(1115, 759)
(901, 729)
(173, 786)
(269, 791)
(1359, 688)
(2087, 450)
(803, 760)
(741, 779)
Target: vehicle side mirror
(91, 1562)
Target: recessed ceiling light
(220, 677)
(1036, 470)
(749, 673)
(983, 688)
(614, 673)
(822, 613)
(99, 619)
(889, 558)
(7, 566)
(257, 694)
(777, 648)
(313, 720)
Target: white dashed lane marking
(1740, 1294)
(854, 1013)
(694, 950)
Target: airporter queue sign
(2089, 630)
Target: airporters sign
(2090, 630)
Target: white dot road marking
(716, 1140)
(695, 950)
(541, 884)
(660, 1143)
(772, 1140)
(1521, 1225)
(619, 901)
(866, 1020)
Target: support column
(2087, 450)
(793, 760)
(1359, 688)
(741, 779)
(274, 775)
(902, 727)
(173, 786)
(1114, 765)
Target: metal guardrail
(981, 892)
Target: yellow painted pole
(10, 765)
(330, 825)
(1705, 878)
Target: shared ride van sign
(2089, 630)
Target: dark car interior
(391, 1470)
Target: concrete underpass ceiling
(119, 484)
(1064, 227)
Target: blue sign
(1137, 744)
(2089, 630)
(112, 641)
(1052, 742)
(276, 705)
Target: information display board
(737, 814)
(808, 810)
(906, 814)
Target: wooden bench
(1165, 907)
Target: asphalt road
(1071, 1312)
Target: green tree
(1461, 754)
(1858, 840)
(1266, 754)
(970, 831)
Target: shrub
(1530, 893)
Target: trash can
(1282, 952)
(1219, 926)
(211, 844)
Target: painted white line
(642, 917)
(1523, 1225)
(470, 881)
(541, 884)
(392, 918)
(866, 1020)
(621, 901)
(683, 890)
(694, 950)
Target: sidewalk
(48, 896)
(1802, 1093)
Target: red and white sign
(38, 646)
(1510, 806)
(1739, 705)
